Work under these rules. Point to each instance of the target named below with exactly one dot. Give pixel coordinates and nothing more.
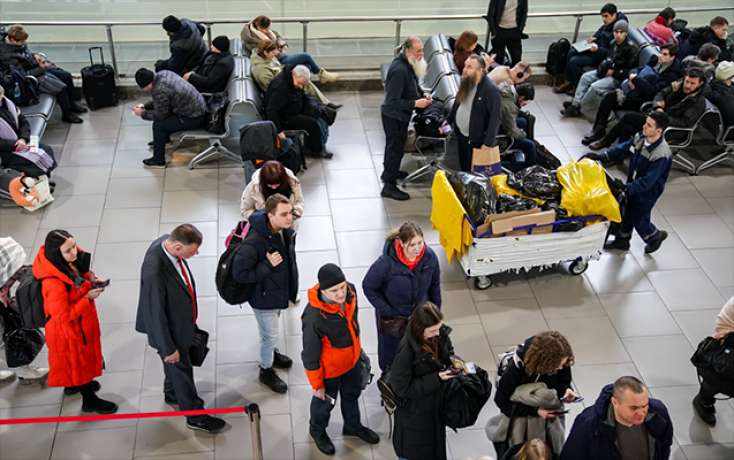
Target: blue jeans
(300, 58)
(267, 326)
(590, 81)
(576, 63)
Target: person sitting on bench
(515, 123)
(213, 74)
(186, 42)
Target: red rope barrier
(97, 418)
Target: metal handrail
(398, 20)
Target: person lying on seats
(684, 101)
(650, 162)
(176, 106)
(257, 32)
(213, 74)
(266, 66)
(186, 42)
(621, 57)
(641, 86)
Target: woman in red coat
(72, 326)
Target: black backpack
(20, 89)
(21, 345)
(555, 60)
(259, 143)
(29, 300)
(233, 292)
(427, 121)
(216, 108)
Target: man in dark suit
(167, 312)
(477, 111)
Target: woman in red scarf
(659, 29)
(406, 275)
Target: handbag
(199, 349)
(365, 370)
(50, 84)
(392, 326)
(21, 345)
(715, 355)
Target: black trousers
(465, 148)
(66, 97)
(610, 103)
(628, 125)
(348, 387)
(314, 141)
(711, 385)
(162, 130)
(396, 134)
(179, 385)
(16, 162)
(510, 40)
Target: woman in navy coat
(406, 275)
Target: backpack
(29, 300)
(20, 89)
(259, 142)
(21, 345)
(428, 121)
(233, 292)
(555, 60)
(216, 108)
(390, 401)
(510, 355)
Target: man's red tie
(190, 287)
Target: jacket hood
(44, 268)
(601, 406)
(315, 301)
(187, 29)
(258, 222)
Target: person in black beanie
(176, 106)
(213, 73)
(187, 45)
(331, 356)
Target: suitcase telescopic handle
(101, 54)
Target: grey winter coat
(172, 95)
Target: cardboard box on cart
(503, 224)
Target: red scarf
(402, 258)
(661, 20)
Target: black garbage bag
(507, 203)
(561, 213)
(537, 182)
(21, 345)
(476, 194)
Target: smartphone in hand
(97, 284)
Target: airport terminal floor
(629, 314)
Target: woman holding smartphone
(421, 366)
(69, 291)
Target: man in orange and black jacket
(331, 352)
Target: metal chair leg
(720, 158)
(210, 153)
(684, 163)
(420, 172)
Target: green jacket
(264, 71)
(510, 111)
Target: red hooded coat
(72, 327)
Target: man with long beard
(477, 110)
(402, 96)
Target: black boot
(69, 391)
(323, 442)
(363, 433)
(92, 403)
(602, 143)
(655, 242)
(206, 423)
(572, 110)
(281, 361)
(619, 243)
(393, 192)
(706, 412)
(270, 379)
(71, 118)
(78, 108)
(596, 134)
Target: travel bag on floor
(98, 83)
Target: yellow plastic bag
(585, 190)
(499, 182)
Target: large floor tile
(237, 385)
(663, 360)
(21, 227)
(188, 206)
(469, 444)
(457, 304)
(168, 436)
(183, 179)
(15, 443)
(119, 302)
(88, 153)
(690, 230)
(316, 200)
(124, 225)
(81, 180)
(724, 208)
(718, 264)
(119, 261)
(315, 234)
(508, 322)
(639, 314)
(117, 444)
(351, 183)
(129, 163)
(144, 192)
(682, 199)
(708, 451)
(451, 272)
(65, 211)
(696, 324)
(123, 347)
(360, 249)
(204, 270)
(594, 340)
(689, 429)
(617, 273)
(686, 289)
(470, 342)
(349, 156)
(672, 255)
(714, 186)
(590, 379)
(359, 214)
(563, 296)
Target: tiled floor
(628, 314)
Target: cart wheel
(482, 282)
(578, 266)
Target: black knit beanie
(144, 77)
(329, 276)
(171, 24)
(221, 43)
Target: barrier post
(253, 412)
(209, 33)
(305, 35)
(576, 29)
(111, 44)
(487, 37)
(398, 27)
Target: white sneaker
(32, 373)
(6, 375)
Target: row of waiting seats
(39, 114)
(244, 107)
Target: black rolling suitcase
(98, 83)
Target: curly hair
(546, 352)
